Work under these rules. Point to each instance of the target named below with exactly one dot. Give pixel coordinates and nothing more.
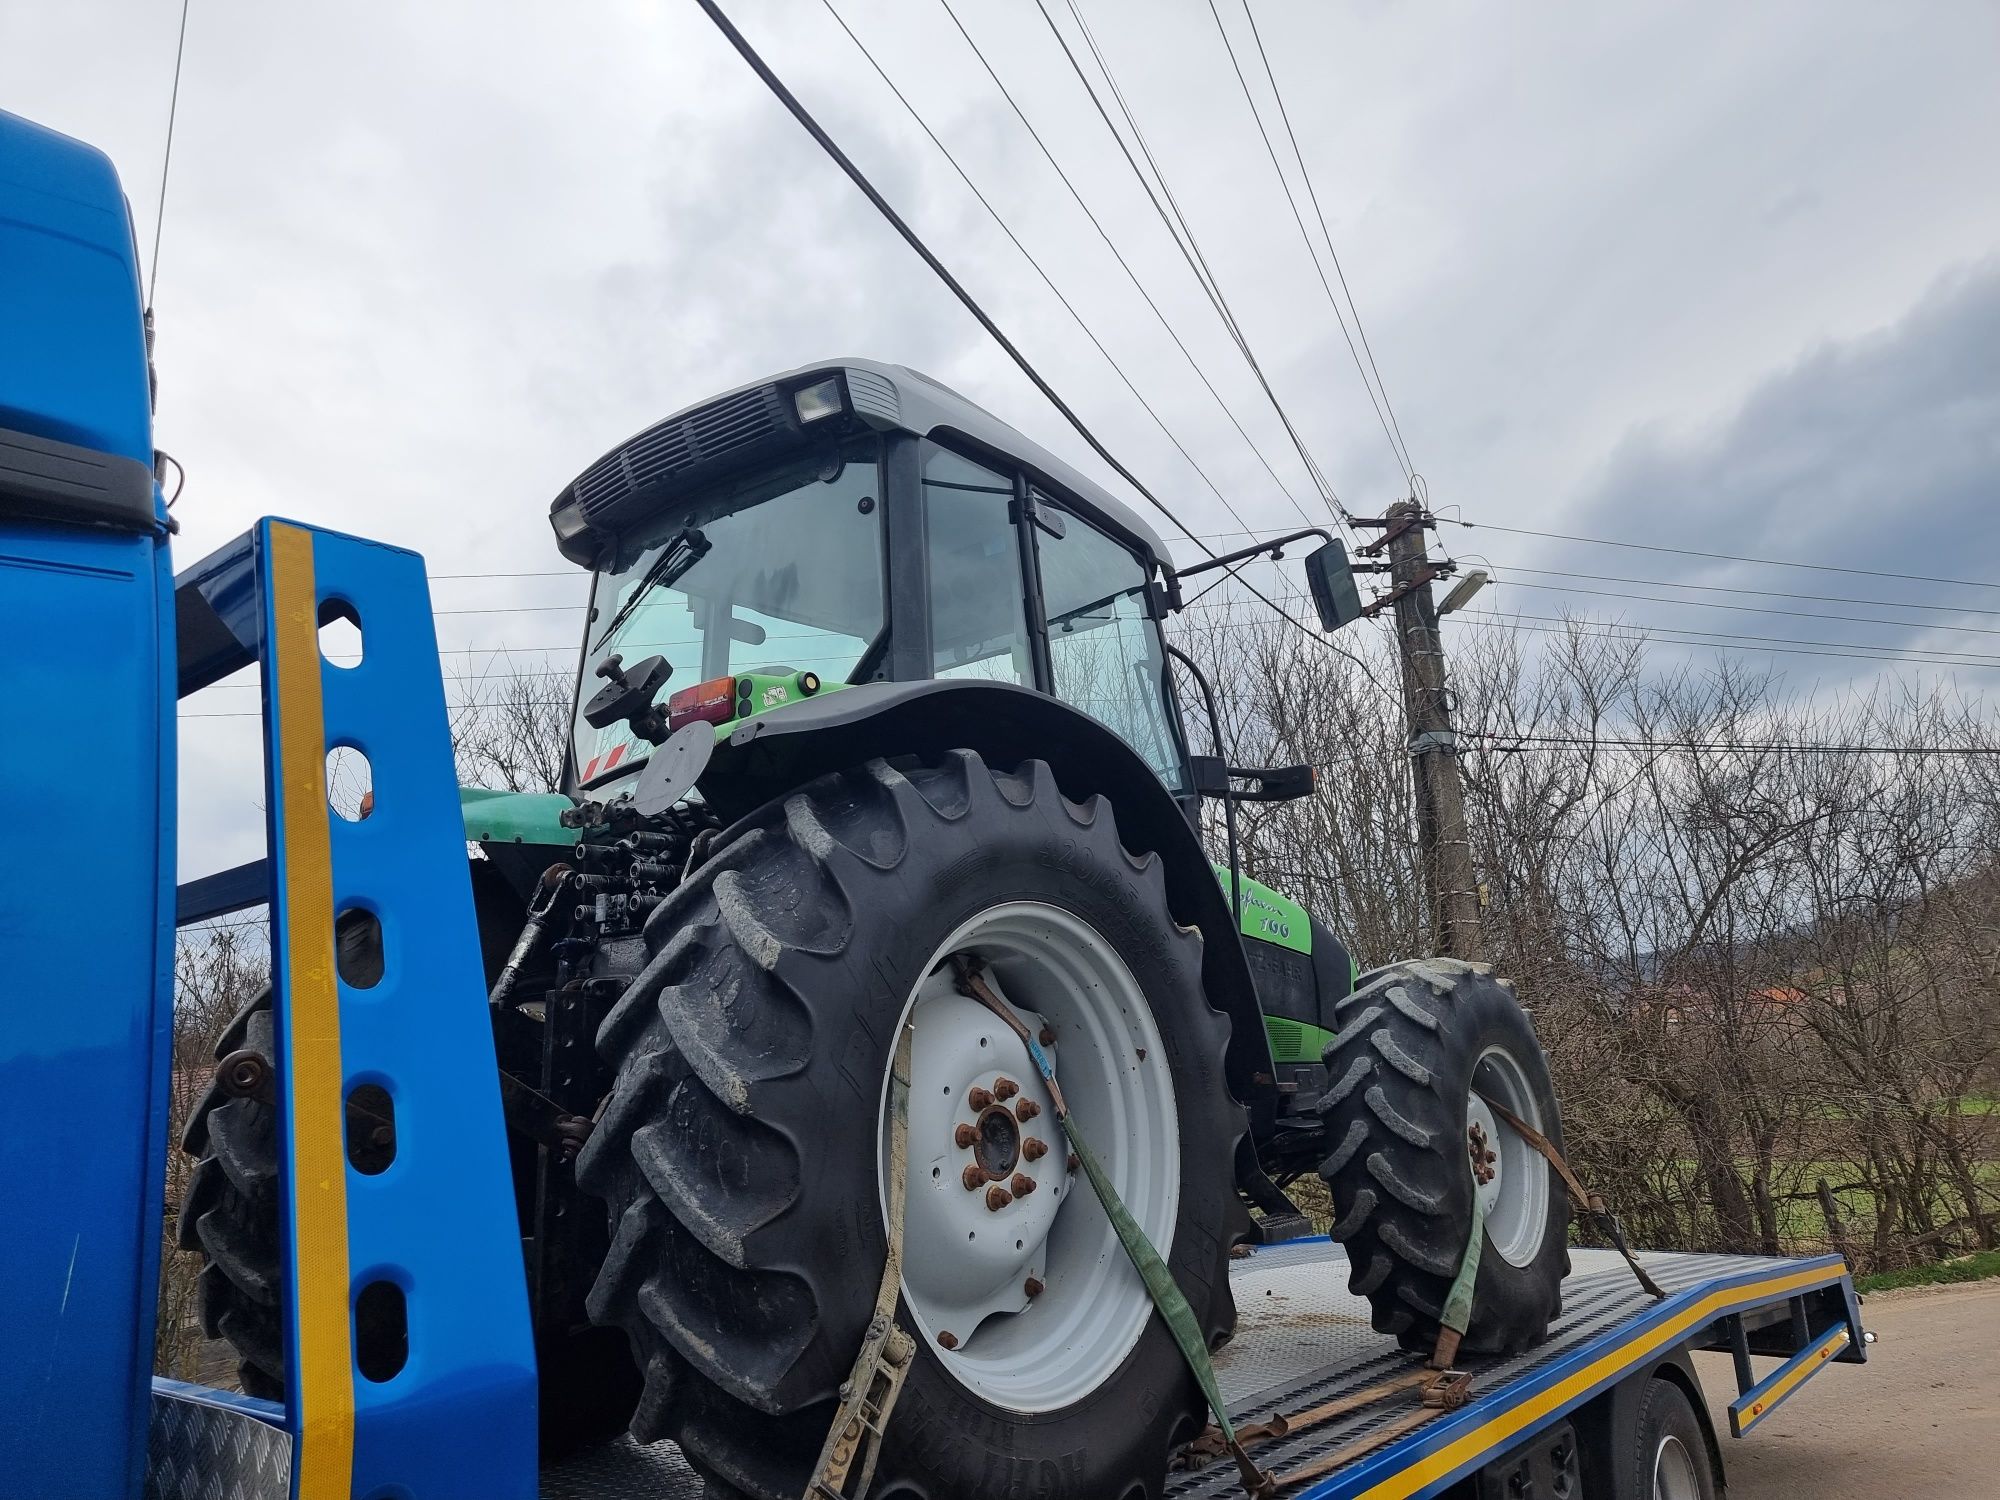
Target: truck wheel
(743, 1148)
(1669, 1456)
(230, 1216)
(1418, 1043)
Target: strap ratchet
(868, 1395)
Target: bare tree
(510, 727)
(1758, 932)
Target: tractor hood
(515, 817)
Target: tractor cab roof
(757, 423)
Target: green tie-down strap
(1458, 1304)
(1160, 1285)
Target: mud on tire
(738, 1152)
(1400, 1070)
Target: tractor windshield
(780, 572)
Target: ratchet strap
(1160, 1286)
(854, 1442)
(1586, 1202)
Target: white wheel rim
(1515, 1197)
(1673, 1471)
(966, 1266)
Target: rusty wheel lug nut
(972, 1177)
(1072, 1163)
(1026, 1110)
(1047, 1037)
(998, 1198)
(979, 1099)
(964, 1136)
(1005, 1088)
(1022, 1184)
(1033, 1149)
(947, 1340)
(1032, 1287)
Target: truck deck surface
(1302, 1339)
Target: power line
(1028, 255)
(1401, 455)
(1748, 609)
(1717, 588)
(1352, 306)
(1182, 236)
(167, 156)
(1493, 741)
(971, 304)
(1624, 633)
(1762, 562)
(1975, 658)
(1117, 255)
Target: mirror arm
(1274, 546)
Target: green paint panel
(1296, 1041)
(515, 817)
(762, 692)
(1268, 916)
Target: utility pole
(1444, 843)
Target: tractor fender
(768, 755)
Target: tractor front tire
(741, 1152)
(1419, 1048)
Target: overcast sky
(1721, 277)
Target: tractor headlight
(569, 522)
(820, 399)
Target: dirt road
(1922, 1417)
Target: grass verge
(1966, 1268)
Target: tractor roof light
(820, 399)
(569, 521)
(713, 701)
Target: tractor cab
(849, 524)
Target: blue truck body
(86, 748)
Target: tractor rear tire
(1416, 1042)
(740, 1152)
(230, 1217)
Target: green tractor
(873, 690)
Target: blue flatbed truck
(102, 638)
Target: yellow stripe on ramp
(1492, 1436)
(325, 1395)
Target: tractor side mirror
(1215, 778)
(1330, 577)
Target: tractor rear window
(978, 624)
(1104, 647)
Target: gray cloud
(1880, 452)
(424, 263)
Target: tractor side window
(1104, 648)
(978, 624)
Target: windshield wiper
(683, 552)
(1085, 611)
